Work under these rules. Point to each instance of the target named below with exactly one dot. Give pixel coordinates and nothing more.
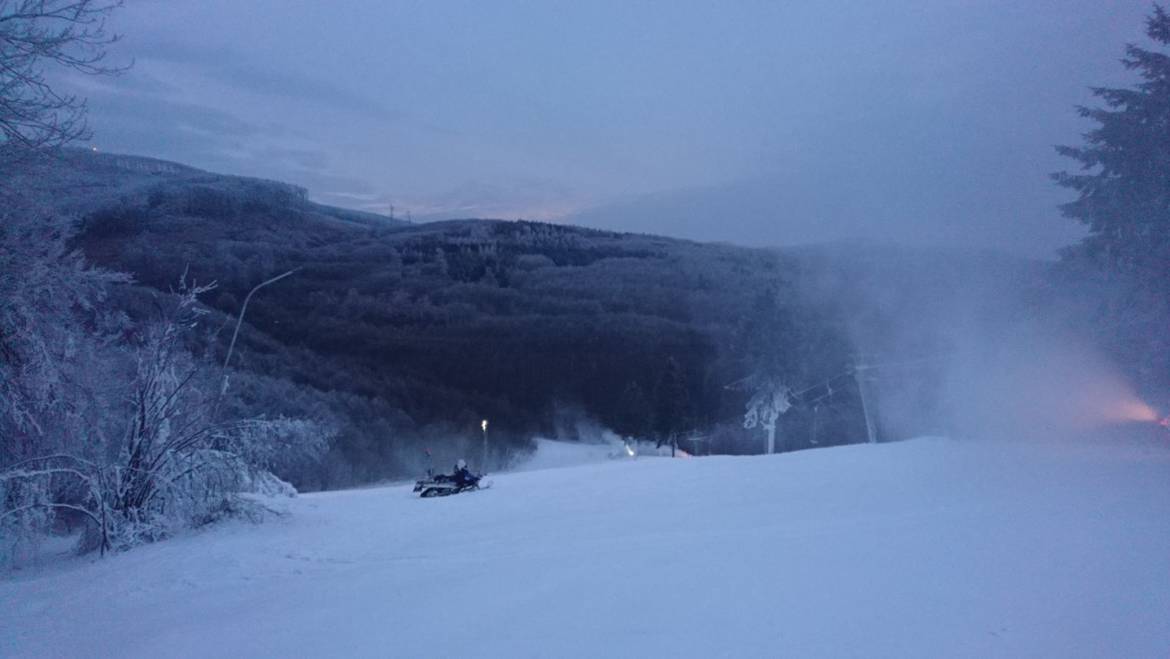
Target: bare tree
(54, 328)
(104, 421)
(36, 36)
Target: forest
(406, 336)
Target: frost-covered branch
(39, 35)
(114, 419)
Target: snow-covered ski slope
(926, 548)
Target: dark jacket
(463, 477)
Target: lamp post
(483, 462)
(235, 335)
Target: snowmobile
(444, 485)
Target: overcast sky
(759, 123)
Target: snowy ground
(919, 549)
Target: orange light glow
(1134, 411)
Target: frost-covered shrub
(22, 517)
(179, 464)
(281, 445)
(54, 331)
(113, 424)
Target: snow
(924, 548)
(553, 454)
(556, 454)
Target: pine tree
(1122, 269)
(635, 418)
(671, 404)
(1124, 186)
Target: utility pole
(870, 430)
(813, 439)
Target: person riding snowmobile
(442, 485)
(462, 476)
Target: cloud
(802, 122)
(199, 135)
(137, 81)
(310, 160)
(827, 204)
(235, 69)
(533, 199)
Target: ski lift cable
(848, 373)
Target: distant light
(629, 450)
(93, 148)
(483, 424)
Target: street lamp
(483, 463)
(235, 334)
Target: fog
(1037, 385)
(754, 123)
(973, 344)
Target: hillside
(924, 548)
(405, 336)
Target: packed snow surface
(924, 548)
